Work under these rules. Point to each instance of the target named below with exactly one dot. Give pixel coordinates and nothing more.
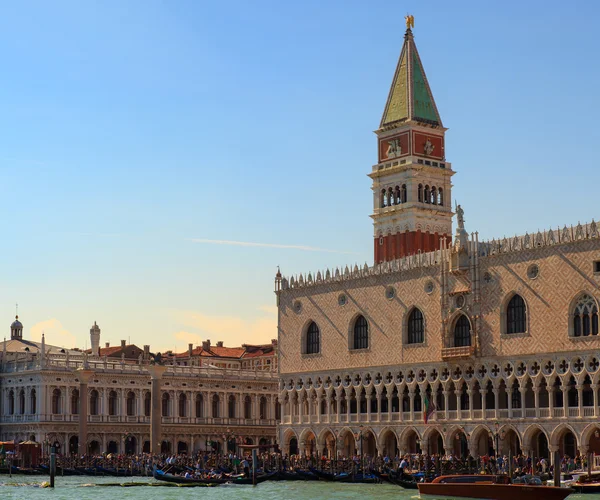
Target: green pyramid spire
(410, 98)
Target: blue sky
(131, 132)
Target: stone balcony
(452, 353)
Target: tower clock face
(393, 147)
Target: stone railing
(62, 362)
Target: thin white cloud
(265, 245)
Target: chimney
(107, 345)
(190, 349)
(123, 344)
(220, 343)
(146, 352)
(206, 345)
(274, 342)
(95, 339)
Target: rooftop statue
(460, 217)
(410, 21)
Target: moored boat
(490, 487)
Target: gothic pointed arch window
(462, 332)
(516, 315)
(360, 333)
(585, 317)
(313, 339)
(416, 330)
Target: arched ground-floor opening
(328, 444)
(293, 446)
(411, 442)
(130, 445)
(165, 447)
(112, 447)
(435, 443)
(510, 444)
(182, 448)
(310, 443)
(73, 445)
(594, 442)
(94, 447)
(389, 443)
(369, 445)
(459, 444)
(539, 444)
(568, 445)
(347, 443)
(481, 442)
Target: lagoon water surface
(91, 488)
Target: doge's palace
(447, 344)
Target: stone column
(84, 377)
(565, 393)
(595, 389)
(156, 373)
(411, 396)
(496, 401)
(446, 404)
(523, 390)
(368, 398)
(470, 394)
(580, 401)
(378, 395)
(509, 401)
(536, 401)
(389, 398)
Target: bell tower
(412, 204)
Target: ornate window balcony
(449, 353)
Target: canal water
(90, 488)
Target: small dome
(16, 323)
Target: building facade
(444, 345)
(211, 406)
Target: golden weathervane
(410, 21)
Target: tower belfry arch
(412, 203)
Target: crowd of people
(143, 464)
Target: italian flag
(428, 408)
